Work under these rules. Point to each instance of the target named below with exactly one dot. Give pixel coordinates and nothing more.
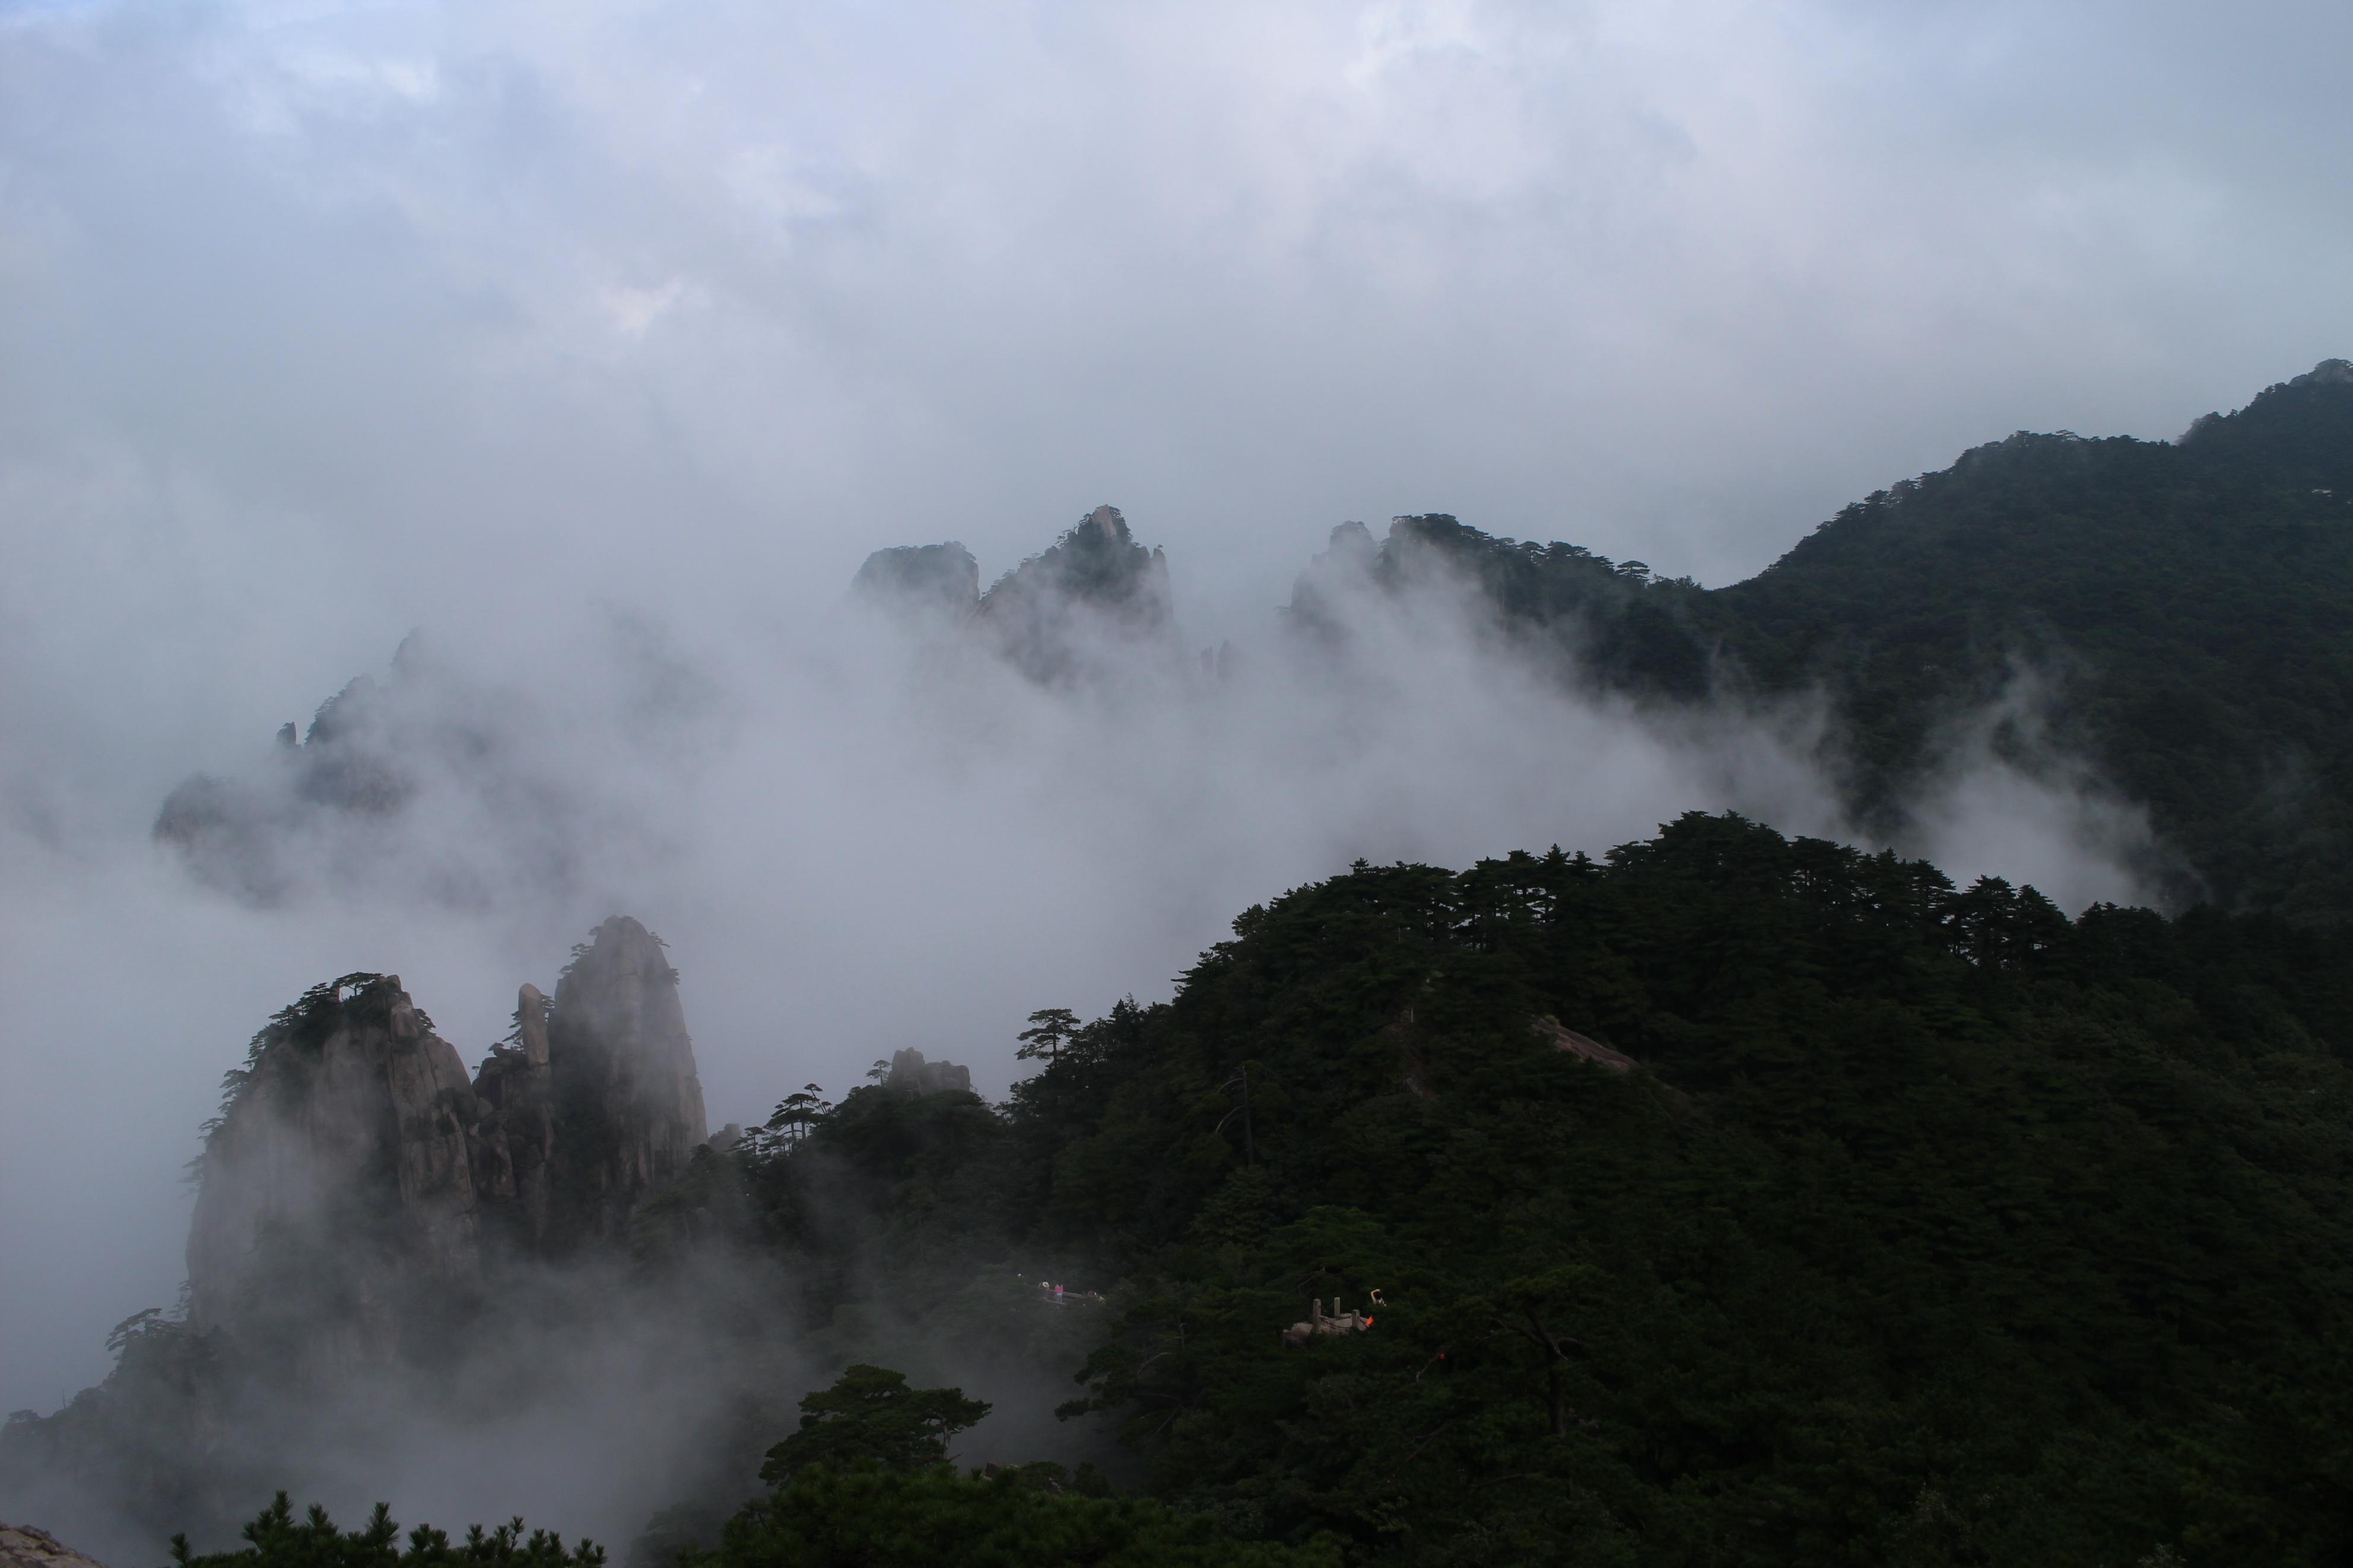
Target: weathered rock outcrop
(21, 1546)
(1343, 571)
(938, 581)
(910, 1074)
(514, 1145)
(1095, 595)
(1095, 590)
(236, 833)
(358, 1183)
(1554, 1033)
(628, 1106)
(341, 1164)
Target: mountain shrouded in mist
(2154, 626)
(2169, 617)
(352, 1118)
(2174, 611)
(1736, 1196)
(1733, 1199)
(369, 1215)
(1388, 825)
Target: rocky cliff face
(925, 581)
(514, 1145)
(351, 805)
(359, 1182)
(233, 832)
(341, 1165)
(1096, 590)
(1093, 594)
(22, 1546)
(628, 1106)
(1343, 571)
(910, 1074)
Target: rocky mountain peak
(22, 1546)
(358, 1179)
(1094, 591)
(910, 1074)
(624, 1076)
(941, 580)
(339, 1164)
(1107, 521)
(1345, 562)
(531, 1024)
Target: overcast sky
(319, 324)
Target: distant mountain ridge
(2186, 607)
(2178, 615)
(2165, 621)
(1094, 590)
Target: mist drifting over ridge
(862, 835)
(864, 831)
(597, 352)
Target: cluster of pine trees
(1929, 1226)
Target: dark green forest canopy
(867, 1516)
(1928, 1227)
(1932, 1226)
(277, 1538)
(2180, 612)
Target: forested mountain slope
(2177, 615)
(1930, 1228)
(1731, 1200)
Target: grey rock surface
(1561, 1037)
(22, 1546)
(628, 1101)
(359, 1183)
(910, 1074)
(923, 580)
(514, 1145)
(348, 1134)
(1094, 593)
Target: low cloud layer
(858, 835)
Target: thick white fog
(598, 349)
(855, 837)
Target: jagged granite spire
(338, 1182)
(1094, 591)
(514, 1145)
(628, 1104)
(1094, 596)
(358, 1186)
